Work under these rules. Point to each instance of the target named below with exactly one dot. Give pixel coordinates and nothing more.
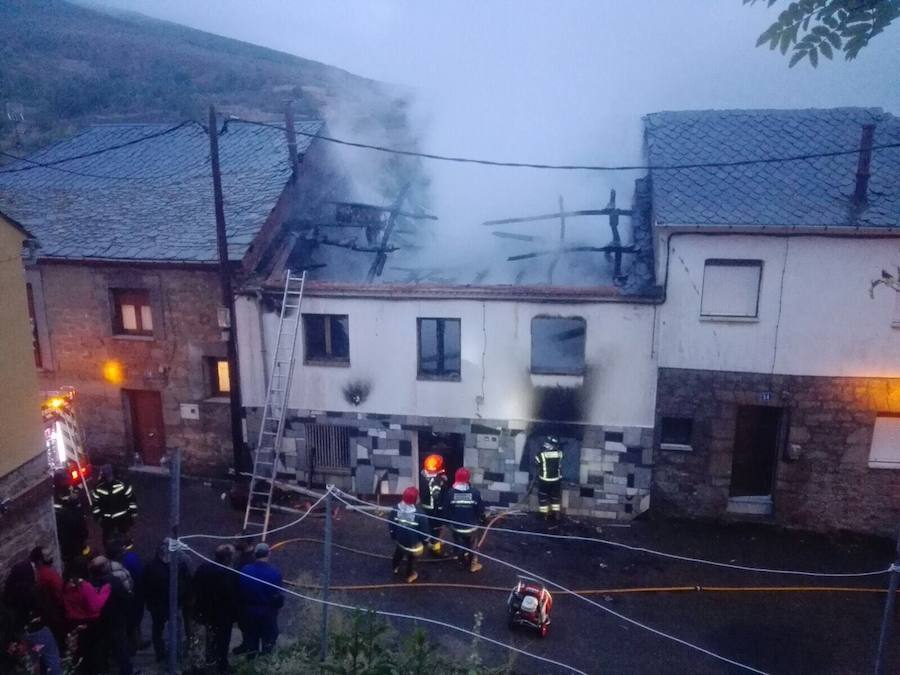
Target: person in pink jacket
(84, 603)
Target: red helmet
(434, 464)
(462, 475)
(410, 495)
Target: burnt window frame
(572, 372)
(444, 375)
(213, 382)
(327, 359)
(140, 297)
(733, 262)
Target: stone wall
(830, 422)
(184, 302)
(614, 474)
(28, 520)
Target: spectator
(156, 595)
(71, 524)
(114, 615)
(216, 594)
(49, 593)
(122, 551)
(84, 604)
(244, 553)
(20, 593)
(40, 640)
(261, 598)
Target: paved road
(777, 632)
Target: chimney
(863, 169)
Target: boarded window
(219, 376)
(439, 348)
(676, 431)
(731, 288)
(557, 345)
(329, 445)
(327, 338)
(885, 451)
(132, 314)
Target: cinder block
(362, 452)
(606, 515)
(500, 487)
(632, 436)
(492, 496)
(521, 477)
(470, 457)
(487, 441)
(615, 446)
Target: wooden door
(147, 428)
(755, 450)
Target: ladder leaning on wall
(274, 412)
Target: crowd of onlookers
(94, 611)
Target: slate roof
(152, 200)
(807, 193)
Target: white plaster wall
(815, 313)
(496, 357)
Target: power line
(573, 167)
(396, 615)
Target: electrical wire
(573, 167)
(268, 532)
(396, 615)
(649, 551)
(338, 495)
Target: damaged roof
(806, 193)
(150, 200)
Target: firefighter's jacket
(113, 501)
(463, 507)
(432, 489)
(405, 516)
(549, 464)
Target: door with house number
(756, 441)
(147, 428)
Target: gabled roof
(151, 200)
(806, 193)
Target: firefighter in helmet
(114, 503)
(432, 486)
(464, 510)
(409, 530)
(549, 477)
(71, 525)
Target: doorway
(449, 446)
(756, 439)
(147, 428)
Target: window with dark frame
(218, 376)
(326, 338)
(132, 314)
(731, 288)
(676, 430)
(557, 345)
(439, 348)
(32, 318)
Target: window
(731, 288)
(32, 318)
(131, 312)
(327, 338)
(557, 345)
(439, 349)
(676, 433)
(885, 451)
(328, 445)
(219, 376)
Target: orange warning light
(113, 372)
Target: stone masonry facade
(825, 483)
(28, 519)
(76, 300)
(614, 467)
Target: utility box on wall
(190, 411)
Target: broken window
(557, 345)
(676, 433)
(219, 376)
(439, 348)
(327, 338)
(885, 450)
(731, 288)
(131, 312)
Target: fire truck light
(74, 475)
(56, 402)
(60, 442)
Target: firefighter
(114, 504)
(464, 510)
(71, 525)
(432, 486)
(549, 477)
(408, 529)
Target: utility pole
(174, 508)
(326, 573)
(888, 618)
(237, 427)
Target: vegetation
(811, 28)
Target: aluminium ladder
(274, 413)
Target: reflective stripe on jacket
(549, 464)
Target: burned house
(125, 291)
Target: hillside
(65, 66)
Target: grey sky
(551, 81)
